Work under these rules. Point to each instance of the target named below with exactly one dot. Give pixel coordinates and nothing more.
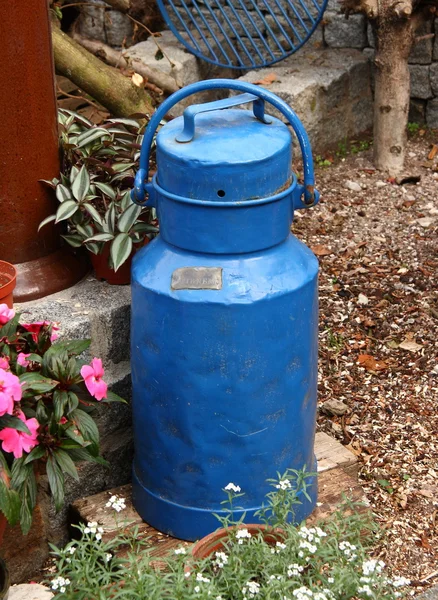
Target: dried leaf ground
(378, 252)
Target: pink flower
(10, 391)
(21, 359)
(63, 420)
(35, 329)
(16, 441)
(4, 362)
(93, 379)
(6, 314)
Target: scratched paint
(224, 380)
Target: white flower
(331, 580)
(197, 589)
(221, 559)
(242, 534)
(200, 577)
(312, 548)
(60, 583)
(302, 593)
(279, 546)
(294, 570)
(187, 574)
(252, 587)
(369, 566)
(347, 549)
(72, 549)
(116, 503)
(108, 556)
(400, 581)
(232, 488)
(284, 484)
(365, 589)
(180, 550)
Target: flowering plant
(47, 397)
(94, 187)
(325, 561)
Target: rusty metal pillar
(29, 152)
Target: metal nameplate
(197, 278)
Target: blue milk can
(224, 313)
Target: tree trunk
(107, 85)
(392, 90)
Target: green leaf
(13, 423)
(66, 464)
(10, 327)
(74, 435)
(122, 167)
(81, 184)
(93, 247)
(144, 228)
(93, 213)
(73, 402)
(108, 190)
(100, 237)
(91, 136)
(73, 240)
(77, 116)
(37, 453)
(121, 248)
(63, 193)
(48, 219)
(84, 230)
(66, 210)
(9, 503)
(86, 425)
(19, 473)
(56, 482)
(83, 454)
(126, 200)
(73, 347)
(112, 397)
(60, 400)
(128, 218)
(128, 122)
(37, 383)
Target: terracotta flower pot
(214, 542)
(8, 279)
(104, 272)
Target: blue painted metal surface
(224, 316)
(242, 34)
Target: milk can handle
(141, 185)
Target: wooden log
(107, 85)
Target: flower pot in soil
(215, 541)
(103, 271)
(8, 279)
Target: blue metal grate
(242, 34)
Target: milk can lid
(232, 157)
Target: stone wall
(355, 32)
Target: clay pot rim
(213, 542)
(10, 271)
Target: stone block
(435, 43)
(340, 32)
(119, 29)
(421, 53)
(434, 78)
(417, 111)
(420, 82)
(370, 53)
(323, 86)
(29, 591)
(430, 594)
(370, 36)
(91, 22)
(432, 114)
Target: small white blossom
(284, 484)
(365, 589)
(400, 581)
(72, 549)
(232, 488)
(221, 559)
(369, 566)
(108, 556)
(187, 574)
(279, 546)
(181, 550)
(348, 550)
(331, 580)
(252, 587)
(302, 593)
(116, 503)
(200, 577)
(242, 534)
(294, 570)
(60, 583)
(197, 589)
